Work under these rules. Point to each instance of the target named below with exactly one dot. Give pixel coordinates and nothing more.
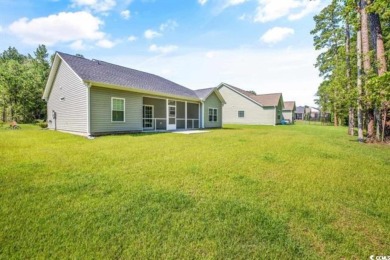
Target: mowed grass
(242, 192)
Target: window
(241, 113)
(117, 109)
(213, 115)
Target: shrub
(43, 125)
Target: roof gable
(203, 94)
(264, 100)
(289, 105)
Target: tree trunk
(359, 87)
(377, 41)
(367, 65)
(351, 121)
(384, 120)
(351, 118)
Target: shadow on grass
(230, 128)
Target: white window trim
(216, 109)
(124, 109)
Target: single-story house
(301, 112)
(94, 97)
(243, 107)
(289, 111)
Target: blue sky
(260, 45)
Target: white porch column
(167, 115)
(203, 117)
(185, 115)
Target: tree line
(22, 82)
(353, 37)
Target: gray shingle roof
(107, 73)
(204, 93)
(268, 100)
(300, 110)
(263, 99)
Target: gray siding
(69, 98)
(254, 114)
(212, 102)
(100, 99)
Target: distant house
(300, 113)
(94, 97)
(307, 113)
(314, 113)
(243, 107)
(289, 111)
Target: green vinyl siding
(212, 102)
(101, 112)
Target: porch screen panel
(192, 111)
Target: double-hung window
(117, 109)
(213, 115)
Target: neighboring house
(243, 107)
(300, 113)
(289, 111)
(93, 97)
(314, 113)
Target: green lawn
(302, 191)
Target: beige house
(244, 107)
(289, 111)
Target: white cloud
(104, 43)
(78, 45)
(95, 5)
(202, 2)
(126, 14)
(1, 28)
(269, 10)
(132, 38)
(162, 49)
(150, 34)
(211, 54)
(310, 7)
(62, 27)
(169, 25)
(245, 17)
(276, 34)
(234, 2)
